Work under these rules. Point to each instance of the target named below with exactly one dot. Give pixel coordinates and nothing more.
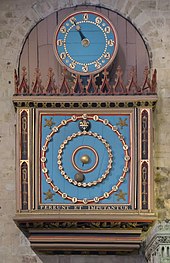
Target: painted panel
(24, 60)
(42, 33)
(141, 58)
(33, 53)
(51, 26)
(86, 164)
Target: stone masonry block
(43, 8)
(135, 12)
(163, 5)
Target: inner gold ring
(96, 159)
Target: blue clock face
(85, 42)
(85, 159)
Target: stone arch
(42, 9)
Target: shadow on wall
(91, 259)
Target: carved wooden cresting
(72, 84)
(84, 153)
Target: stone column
(157, 243)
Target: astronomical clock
(84, 149)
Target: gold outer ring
(77, 150)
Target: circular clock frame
(99, 63)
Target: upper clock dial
(85, 42)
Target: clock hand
(78, 28)
(81, 35)
(84, 41)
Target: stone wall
(17, 18)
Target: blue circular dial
(85, 42)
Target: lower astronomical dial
(85, 159)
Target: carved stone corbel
(157, 244)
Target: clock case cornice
(70, 102)
(81, 233)
(82, 215)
